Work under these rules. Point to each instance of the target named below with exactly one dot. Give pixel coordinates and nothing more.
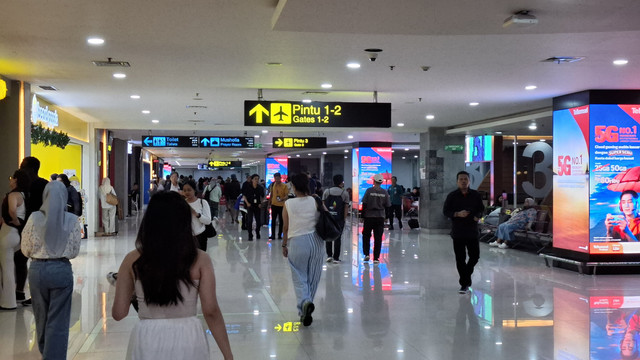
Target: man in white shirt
(214, 193)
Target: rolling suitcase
(413, 223)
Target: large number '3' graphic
(543, 167)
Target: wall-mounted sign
(198, 141)
(317, 114)
(43, 114)
(226, 142)
(453, 147)
(300, 142)
(170, 141)
(224, 164)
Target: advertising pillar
(276, 165)
(368, 160)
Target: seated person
(625, 227)
(517, 222)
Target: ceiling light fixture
(353, 65)
(95, 41)
(155, 121)
(474, 103)
(119, 75)
(400, 124)
(324, 153)
(265, 131)
(256, 136)
(306, 101)
(620, 62)
(297, 155)
(345, 156)
(498, 132)
(430, 117)
(521, 19)
(135, 97)
(530, 87)
(336, 141)
(146, 112)
(326, 86)
(346, 150)
(533, 126)
(350, 136)
(309, 154)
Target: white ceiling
(219, 48)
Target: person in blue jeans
(50, 238)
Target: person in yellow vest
(278, 193)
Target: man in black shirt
(252, 195)
(464, 207)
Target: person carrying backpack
(212, 194)
(336, 199)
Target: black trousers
(253, 212)
(397, 209)
(377, 226)
(21, 270)
(461, 247)
(333, 247)
(276, 213)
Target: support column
(437, 171)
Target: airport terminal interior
(538, 101)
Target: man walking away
(336, 199)
(374, 204)
(464, 207)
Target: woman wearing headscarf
(50, 238)
(13, 215)
(108, 210)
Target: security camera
(373, 56)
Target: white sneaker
(329, 259)
(503, 246)
(494, 243)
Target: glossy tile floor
(407, 307)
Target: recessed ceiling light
(297, 155)
(345, 158)
(326, 86)
(336, 141)
(119, 75)
(620, 62)
(306, 101)
(350, 136)
(346, 150)
(498, 132)
(135, 97)
(146, 112)
(404, 157)
(324, 153)
(95, 41)
(353, 65)
(155, 121)
(430, 117)
(415, 156)
(474, 103)
(265, 131)
(406, 149)
(400, 124)
(309, 154)
(530, 87)
(256, 136)
(533, 126)
(543, 140)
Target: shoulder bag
(327, 227)
(112, 199)
(209, 230)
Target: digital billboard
(478, 148)
(615, 323)
(571, 179)
(276, 165)
(614, 220)
(367, 162)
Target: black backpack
(335, 205)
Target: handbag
(209, 230)
(327, 227)
(112, 199)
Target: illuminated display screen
(615, 322)
(217, 164)
(276, 165)
(571, 179)
(317, 114)
(198, 141)
(367, 162)
(478, 148)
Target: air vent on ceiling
(48, 87)
(196, 107)
(563, 59)
(315, 93)
(111, 62)
(195, 121)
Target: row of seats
(537, 235)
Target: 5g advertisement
(276, 165)
(597, 179)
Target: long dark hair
(167, 249)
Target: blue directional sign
(198, 141)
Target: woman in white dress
(167, 273)
(13, 215)
(108, 210)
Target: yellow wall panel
(56, 160)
